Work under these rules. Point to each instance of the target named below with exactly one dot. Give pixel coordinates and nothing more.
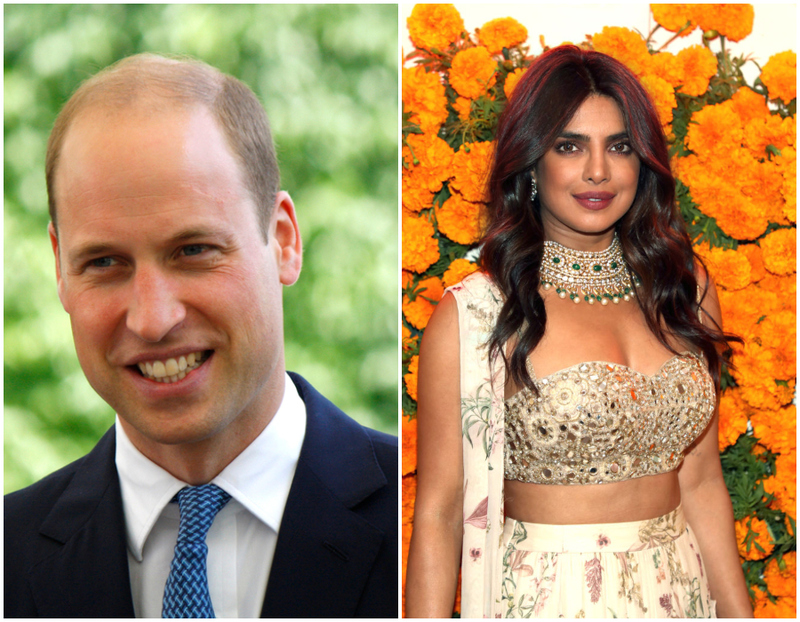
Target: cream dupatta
(482, 415)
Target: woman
(567, 453)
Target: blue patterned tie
(186, 593)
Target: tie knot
(199, 505)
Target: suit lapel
(87, 574)
(325, 550)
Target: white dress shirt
(242, 538)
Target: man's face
(173, 294)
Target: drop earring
(534, 190)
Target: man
(172, 242)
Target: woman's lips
(594, 200)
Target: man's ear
(60, 282)
(285, 235)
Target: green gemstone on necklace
(597, 267)
(613, 265)
(556, 260)
(576, 266)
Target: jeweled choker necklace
(601, 276)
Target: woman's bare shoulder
(708, 297)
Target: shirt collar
(259, 478)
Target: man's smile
(173, 369)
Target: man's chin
(169, 431)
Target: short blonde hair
(184, 81)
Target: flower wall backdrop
(734, 156)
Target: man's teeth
(171, 370)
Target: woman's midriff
(637, 499)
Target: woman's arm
(435, 552)
(708, 508)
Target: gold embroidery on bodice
(600, 422)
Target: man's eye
(194, 249)
(102, 262)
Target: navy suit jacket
(336, 555)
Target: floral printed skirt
(641, 569)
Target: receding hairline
(167, 82)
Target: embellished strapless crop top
(599, 422)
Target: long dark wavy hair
(653, 236)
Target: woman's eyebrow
(584, 138)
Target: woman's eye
(622, 148)
(566, 147)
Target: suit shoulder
(386, 449)
(87, 477)
(36, 500)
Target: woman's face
(587, 180)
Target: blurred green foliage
(327, 76)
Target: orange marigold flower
(666, 66)
(511, 82)
(753, 254)
(470, 170)
(434, 26)
(420, 248)
(734, 21)
(472, 72)
(697, 66)
(764, 357)
(463, 107)
(411, 386)
(503, 32)
(409, 342)
(777, 333)
(423, 95)
(768, 130)
(782, 608)
(430, 159)
(715, 130)
(779, 251)
(748, 105)
(769, 354)
(732, 419)
(718, 199)
(730, 269)
(663, 96)
(779, 75)
(460, 220)
(787, 164)
(760, 183)
(742, 309)
(626, 46)
(419, 311)
(785, 287)
(781, 584)
(753, 546)
(416, 197)
(410, 435)
(766, 395)
(783, 485)
(776, 430)
(458, 271)
(674, 17)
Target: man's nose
(155, 307)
